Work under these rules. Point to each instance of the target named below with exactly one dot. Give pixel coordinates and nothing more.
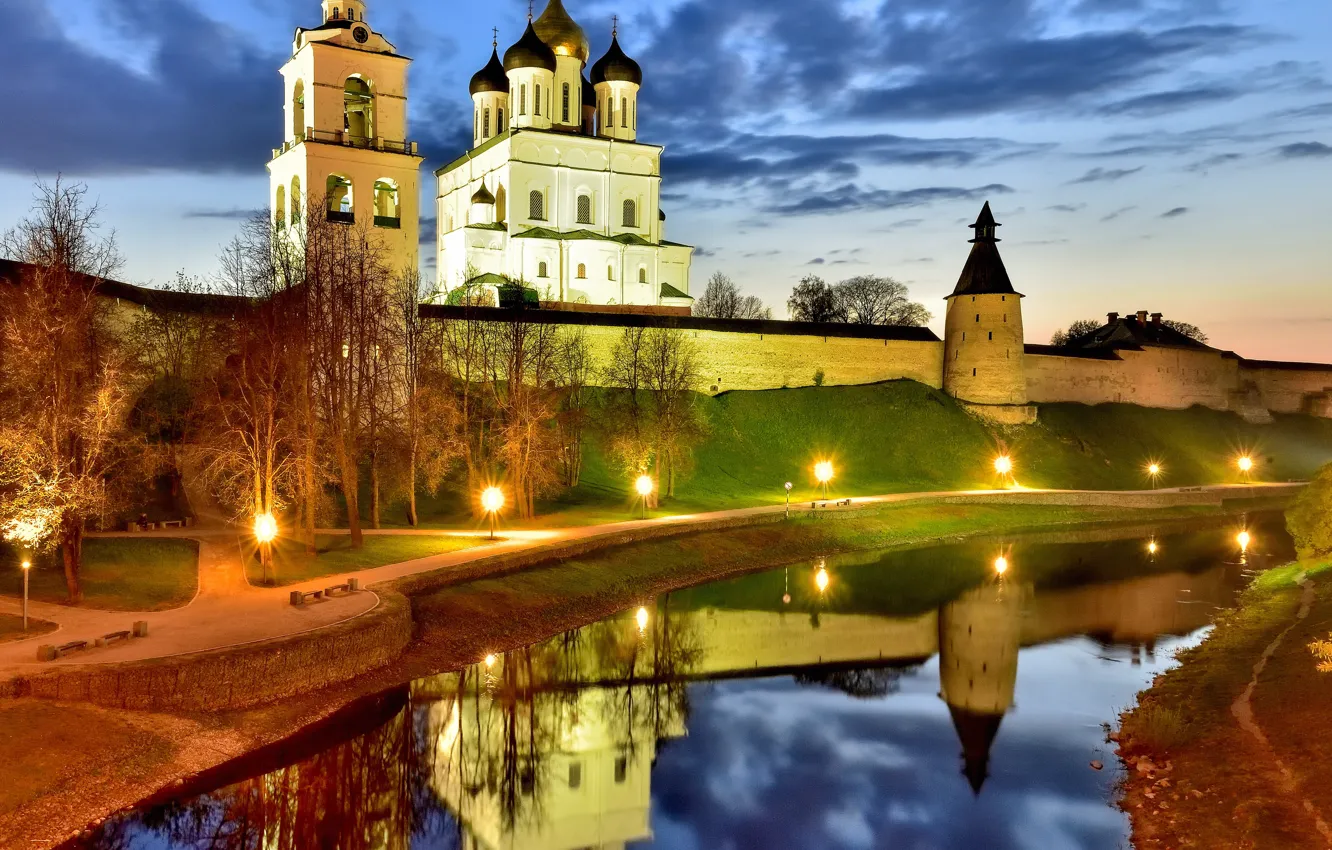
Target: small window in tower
(337, 13)
(624, 112)
(991, 334)
(476, 124)
(978, 317)
(642, 274)
(542, 269)
(584, 209)
(351, 14)
(973, 373)
(621, 770)
(964, 336)
(1005, 317)
(522, 103)
(485, 124)
(499, 121)
(575, 775)
(565, 113)
(630, 214)
(610, 273)
(536, 206)
(536, 101)
(582, 271)
(1003, 297)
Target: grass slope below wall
(903, 436)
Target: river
(951, 696)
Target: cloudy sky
(1142, 154)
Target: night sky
(1164, 155)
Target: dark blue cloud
(236, 214)
(1304, 150)
(851, 198)
(1067, 208)
(1175, 213)
(1106, 175)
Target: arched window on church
(337, 13)
(339, 193)
(542, 269)
(536, 101)
(298, 110)
(624, 112)
(565, 113)
(295, 201)
(280, 207)
(358, 109)
(387, 211)
(582, 271)
(610, 272)
(536, 205)
(630, 214)
(584, 209)
(522, 99)
(642, 274)
(499, 121)
(485, 124)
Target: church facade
(557, 192)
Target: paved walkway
(228, 611)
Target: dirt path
(1242, 709)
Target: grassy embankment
(118, 574)
(903, 436)
(334, 555)
(539, 602)
(11, 628)
(1222, 788)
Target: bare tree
(871, 300)
(1079, 328)
(722, 299)
(1191, 331)
(65, 381)
(573, 374)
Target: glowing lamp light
(1003, 464)
(644, 485)
(1152, 547)
(642, 618)
(786, 599)
(490, 660)
(821, 579)
(823, 471)
(492, 499)
(1245, 463)
(1243, 539)
(265, 528)
(1154, 469)
(27, 565)
(1001, 565)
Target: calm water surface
(911, 699)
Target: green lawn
(903, 436)
(118, 574)
(11, 628)
(335, 555)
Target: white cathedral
(556, 192)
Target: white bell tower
(346, 156)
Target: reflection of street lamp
(821, 579)
(266, 531)
(642, 618)
(490, 660)
(492, 501)
(1000, 565)
(27, 568)
(1243, 539)
(644, 487)
(1152, 548)
(823, 472)
(788, 500)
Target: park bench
(351, 586)
(47, 652)
(299, 598)
(110, 638)
(173, 523)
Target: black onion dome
(491, 77)
(589, 94)
(615, 67)
(529, 52)
(483, 196)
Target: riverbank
(1230, 748)
(48, 793)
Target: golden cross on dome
(530, 4)
(494, 31)
(615, 25)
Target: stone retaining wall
(236, 677)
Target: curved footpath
(229, 613)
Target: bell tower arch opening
(358, 109)
(298, 110)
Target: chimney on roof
(1142, 317)
(1111, 318)
(1156, 320)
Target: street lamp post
(1245, 464)
(27, 568)
(265, 532)
(492, 500)
(788, 500)
(1004, 466)
(644, 486)
(823, 471)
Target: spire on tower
(615, 25)
(984, 273)
(530, 4)
(494, 38)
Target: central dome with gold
(562, 33)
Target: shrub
(1156, 727)
(1310, 518)
(818, 377)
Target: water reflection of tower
(979, 635)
